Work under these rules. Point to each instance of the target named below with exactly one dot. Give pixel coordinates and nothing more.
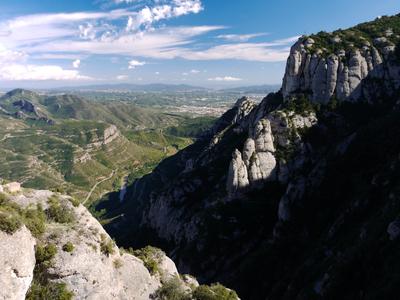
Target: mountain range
(293, 197)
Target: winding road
(97, 183)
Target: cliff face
(345, 64)
(282, 199)
(68, 253)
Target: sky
(213, 43)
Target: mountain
(53, 248)
(254, 89)
(128, 87)
(296, 197)
(72, 144)
(67, 107)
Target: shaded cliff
(294, 198)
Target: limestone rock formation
(93, 267)
(342, 73)
(237, 176)
(17, 261)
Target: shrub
(9, 222)
(35, 220)
(59, 212)
(41, 288)
(3, 198)
(151, 258)
(214, 292)
(68, 247)
(75, 202)
(107, 246)
(117, 263)
(171, 290)
(50, 290)
(45, 253)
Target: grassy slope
(42, 156)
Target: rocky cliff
(294, 198)
(53, 248)
(345, 64)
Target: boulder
(17, 261)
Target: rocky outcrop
(94, 268)
(109, 134)
(346, 74)
(237, 177)
(26, 106)
(291, 190)
(257, 163)
(17, 261)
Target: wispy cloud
(135, 63)
(35, 72)
(13, 66)
(122, 77)
(76, 63)
(240, 37)
(148, 15)
(225, 78)
(133, 28)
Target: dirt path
(97, 183)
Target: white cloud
(240, 37)
(120, 33)
(157, 73)
(135, 63)
(76, 63)
(122, 77)
(36, 72)
(13, 67)
(225, 78)
(87, 31)
(163, 43)
(7, 56)
(148, 15)
(263, 52)
(124, 1)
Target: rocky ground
(82, 261)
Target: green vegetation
(68, 247)
(191, 127)
(52, 290)
(35, 220)
(44, 254)
(12, 217)
(106, 245)
(9, 223)
(74, 201)
(300, 105)
(214, 292)
(171, 290)
(41, 288)
(117, 263)
(151, 257)
(59, 212)
(62, 157)
(358, 36)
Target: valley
(144, 157)
(82, 147)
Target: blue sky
(201, 42)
